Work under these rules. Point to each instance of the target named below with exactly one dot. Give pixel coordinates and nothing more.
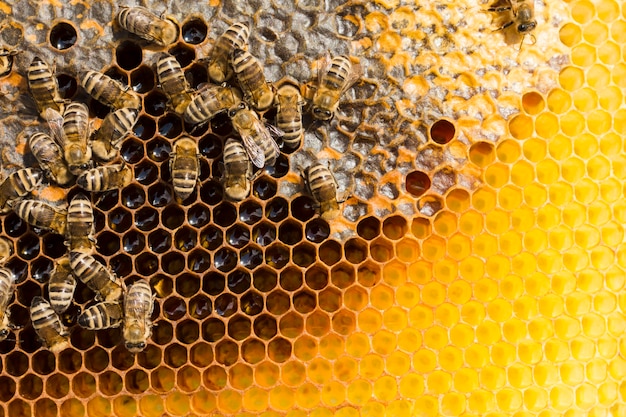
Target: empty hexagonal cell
(329, 299)
(183, 54)
(225, 305)
(213, 283)
(264, 233)
(238, 236)
(265, 326)
(159, 241)
(290, 232)
(213, 329)
(211, 193)
(277, 209)
(70, 361)
(198, 215)
(132, 151)
(200, 307)
(291, 278)
(57, 386)
(155, 103)
(253, 350)
(277, 255)
(110, 383)
(187, 285)
(16, 364)
(226, 352)
(45, 407)
(146, 172)
(304, 301)
(185, 239)
(119, 220)
(279, 350)
(19, 407)
(215, 377)
(303, 208)
(381, 250)
(173, 263)
(317, 324)
(278, 302)
(81, 339)
(239, 327)
(28, 246)
(162, 332)
(162, 379)
(63, 36)
(317, 230)
(187, 331)
(251, 256)
(330, 252)
(146, 264)
(264, 279)
(264, 188)
(250, 212)
(133, 196)
(133, 242)
(30, 386)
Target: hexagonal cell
(41, 268)
(291, 278)
(146, 264)
(210, 146)
(159, 241)
(128, 55)
(253, 350)
(198, 260)
(442, 131)
(213, 283)
(200, 307)
(63, 36)
(317, 230)
(238, 236)
(239, 281)
(303, 208)
(329, 300)
(381, 250)
(108, 243)
(136, 381)
(173, 263)
(162, 285)
(185, 239)
(162, 332)
(395, 227)
(213, 329)
(211, 238)
(226, 352)
(239, 327)
(277, 255)
(43, 362)
(265, 188)
(290, 232)
(146, 173)
(225, 259)
(265, 327)
(187, 331)
(133, 242)
(198, 215)
(30, 386)
(110, 383)
(264, 233)
(251, 256)
(160, 194)
(119, 220)
(183, 54)
(13, 225)
(142, 79)
(225, 214)
(211, 193)
(225, 305)
(250, 212)
(368, 274)
(170, 126)
(280, 167)
(162, 379)
(155, 103)
(355, 250)
(68, 86)
(27, 246)
(16, 364)
(330, 252)
(304, 301)
(133, 197)
(279, 350)
(132, 151)
(196, 75)
(201, 354)
(277, 209)
(194, 31)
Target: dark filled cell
(204, 171)
(121, 265)
(40, 269)
(63, 36)
(128, 55)
(82, 339)
(160, 195)
(239, 281)
(225, 214)
(7, 388)
(173, 263)
(316, 277)
(185, 239)
(28, 246)
(277, 209)
(20, 270)
(162, 332)
(317, 230)
(14, 225)
(174, 308)
(290, 232)
(68, 86)
(368, 228)
(225, 305)
(265, 279)
(303, 208)
(213, 329)
(155, 103)
(221, 125)
(144, 128)
(239, 327)
(238, 236)
(133, 196)
(251, 256)
(43, 362)
(251, 303)
(146, 219)
(442, 131)
(304, 302)
(264, 188)
(117, 74)
(198, 215)
(183, 54)
(142, 79)
(199, 261)
(16, 364)
(210, 146)
(225, 259)
(250, 212)
(355, 250)
(187, 332)
(211, 238)
(417, 183)
(196, 75)
(211, 192)
(200, 307)
(107, 200)
(265, 326)
(280, 167)
(194, 31)
(119, 220)
(108, 338)
(97, 109)
(162, 285)
(53, 245)
(277, 255)
(330, 252)
(108, 243)
(291, 278)
(132, 151)
(28, 340)
(213, 283)
(146, 172)
(172, 217)
(187, 285)
(264, 233)
(146, 264)
(133, 242)
(159, 241)
(170, 126)
(158, 150)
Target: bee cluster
(73, 154)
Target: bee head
(526, 27)
(322, 114)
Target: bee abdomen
(103, 315)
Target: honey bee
(50, 158)
(48, 325)
(237, 170)
(173, 83)
(334, 78)
(116, 125)
(97, 278)
(323, 187)
(209, 102)
(44, 87)
(256, 138)
(520, 13)
(104, 315)
(235, 36)
(147, 25)
(249, 72)
(18, 184)
(61, 285)
(138, 305)
(289, 104)
(6, 61)
(76, 150)
(109, 91)
(80, 224)
(6, 249)
(106, 177)
(7, 286)
(41, 215)
(184, 166)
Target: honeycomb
(477, 267)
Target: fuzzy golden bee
(7, 287)
(6, 60)
(18, 184)
(6, 249)
(50, 157)
(48, 326)
(80, 225)
(76, 149)
(61, 285)
(184, 166)
(322, 185)
(257, 92)
(211, 101)
(256, 137)
(237, 170)
(106, 177)
(106, 141)
(138, 306)
(145, 24)
(518, 14)
(289, 104)
(236, 36)
(335, 76)
(44, 87)
(104, 315)
(109, 91)
(95, 276)
(173, 83)
(42, 215)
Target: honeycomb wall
(477, 267)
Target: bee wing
(323, 67)
(256, 154)
(55, 123)
(355, 73)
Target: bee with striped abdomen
(289, 104)
(335, 76)
(7, 287)
(61, 285)
(44, 87)
(42, 215)
(108, 91)
(145, 24)
(107, 140)
(518, 14)
(256, 137)
(184, 166)
(237, 170)
(236, 36)
(173, 83)
(80, 225)
(138, 305)
(6, 61)
(48, 325)
(6, 249)
(76, 149)
(50, 157)
(323, 187)
(211, 101)
(18, 184)
(106, 177)
(104, 315)
(95, 276)
(249, 72)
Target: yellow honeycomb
(478, 265)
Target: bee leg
(499, 9)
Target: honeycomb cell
(304, 302)
(63, 36)
(265, 188)
(442, 131)
(155, 103)
(277, 255)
